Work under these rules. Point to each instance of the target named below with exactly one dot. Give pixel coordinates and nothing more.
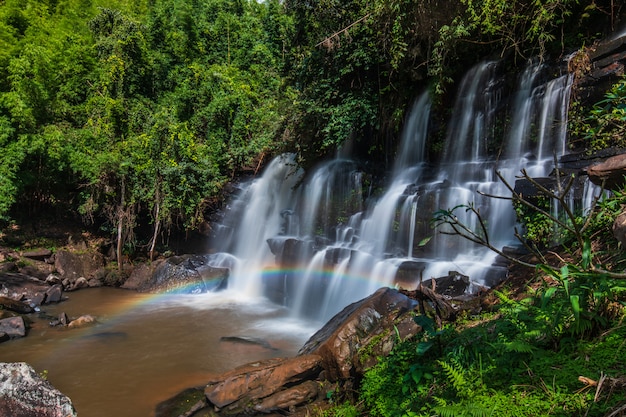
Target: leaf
(586, 254)
(423, 347)
(547, 296)
(575, 302)
(426, 323)
(424, 241)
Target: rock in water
(352, 340)
(24, 393)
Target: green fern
(519, 346)
(465, 409)
(456, 375)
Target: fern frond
(519, 346)
(456, 375)
(461, 410)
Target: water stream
(147, 348)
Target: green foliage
(605, 126)
(134, 114)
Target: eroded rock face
(352, 340)
(246, 387)
(24, 393)
(609, 173)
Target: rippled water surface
(146, 348)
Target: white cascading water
(340, 251)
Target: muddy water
(146, 348)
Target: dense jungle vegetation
(134, 115)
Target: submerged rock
(24, 393)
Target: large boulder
(24, 393)
(72, 266)
(260, 386)
(609, 173)
(352, 341)
(189, 274)
(25, 288)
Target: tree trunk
(120, 227)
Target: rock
(352, 340)
(178, 405)
(54, 294)
(53, 279)
(82, 321)
(291, 251)
(609, 173)
(72, 265)
(247, 341)
(187, 274)
(24, 393)
(244, 387)
(291, 397)
(81, 282)
(141, 275)
(21, 286)
(13, 327)
(453, 285)
(39, 254)
(15, 305)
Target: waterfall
(322, 240)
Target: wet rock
(53, 279)
(179, 405)
(410, 273)
(187, 274)
(13, 327)
(81, 282)
(609, 173)
(245, 387)
(288, 398)
(352, 341)
(141, 275)
(7, 303)
(247, 341)
(454, 284)
(24, 393)
(54, 294)
(23, 287)
(63, 319)
(82, 321)
(291, 251)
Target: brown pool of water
(145, 349)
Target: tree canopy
(137, 113)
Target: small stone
(82, 321)
(54, 294)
